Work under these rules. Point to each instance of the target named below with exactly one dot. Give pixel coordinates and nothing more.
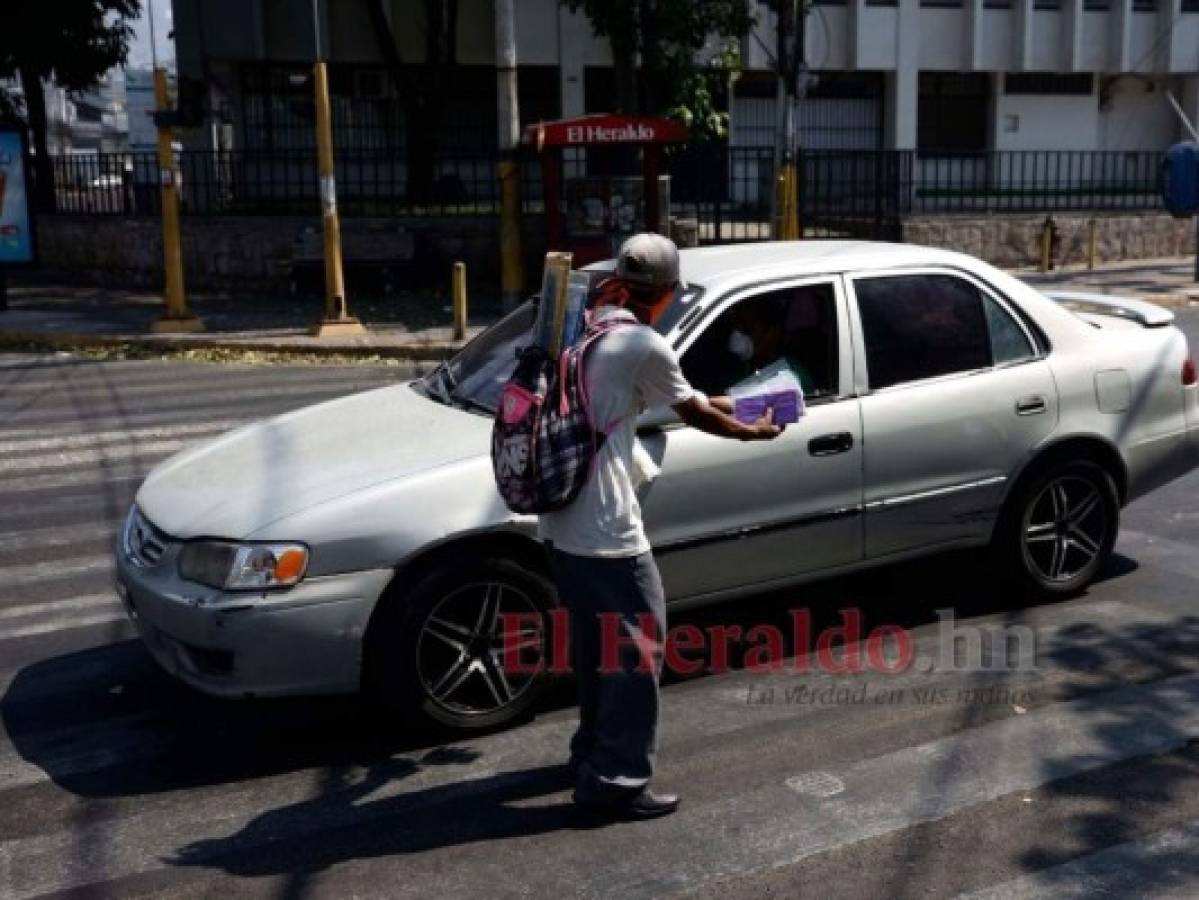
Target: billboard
(16, 224)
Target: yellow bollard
(177, 319)
(458, 288)
(512, 275)
(1046, 244)
(787, 203)
(1092, 228)
(337, 320)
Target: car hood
(260, 473)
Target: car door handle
(1030, 406)
(830, 444)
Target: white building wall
(1023, 121)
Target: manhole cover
(816, 784)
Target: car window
(1009, 342)
(795, 324)
(476, 376)
(921, 326)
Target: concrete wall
(1015, 240)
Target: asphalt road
(1072, 776)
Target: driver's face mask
(741, 345)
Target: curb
(433, 351)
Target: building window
(1190, 6)
(1096, 5)
(997, 4)
(1047, 4)
(952, 112)
(1144, 5)
(1041, 83)
(941, 4)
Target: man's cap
(649, 260)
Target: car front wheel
(465, 647)
(1059, 527)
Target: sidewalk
(405, 326)
(1166, 282)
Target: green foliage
(688, 49)
(74, 43)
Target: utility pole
(512, 274)
(177, 318)
(789, 61)
(337, 320)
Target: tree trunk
(650, 57)
(43, 167)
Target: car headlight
(243, 567)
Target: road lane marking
(74, 440)
(54, 570)
(62, 624)
(59, 535)
(47, 607)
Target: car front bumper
(305, 640)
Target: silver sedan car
(361, 543)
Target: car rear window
(921, 326)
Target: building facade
(965, 75)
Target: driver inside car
(759, 338)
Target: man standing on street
(599, 554)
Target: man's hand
(765, 427)
(714, 416)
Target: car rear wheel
(1059, 527)
(443, 652)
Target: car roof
(704, 266)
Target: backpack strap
(595, 330)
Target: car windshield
(475, 376)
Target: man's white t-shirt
(627, 370)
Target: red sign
(604, 129)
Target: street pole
(512, 274)
(789, 57)
(177, 319)
(337, 320)
(778, 195)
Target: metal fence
(859, 193)
(1035, 181)
(369, 183)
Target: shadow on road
(372, 784)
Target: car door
(723, 513)
(955, 394)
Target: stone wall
(238, 252)
(1014, 241)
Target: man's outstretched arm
(714, 415)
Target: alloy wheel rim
(1064, 529)
(460, 652)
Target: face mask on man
(741, 345)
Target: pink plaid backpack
(545, 440)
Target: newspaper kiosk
(589, 215)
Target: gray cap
(649, 260)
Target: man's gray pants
(614, 747)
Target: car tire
(1058, 528)
(431, 651)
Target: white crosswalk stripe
(13, 577)
(147, 452)
(31, 447)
